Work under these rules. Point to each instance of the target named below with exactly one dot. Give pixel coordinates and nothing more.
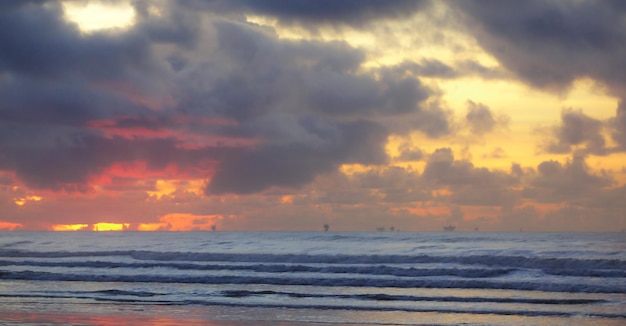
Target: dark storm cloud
(437, 69)
(350, 12)
(305, 99)
(173, 24)
(67, 166)
(551, 43)
(306, 103)
(426, 68)
(297, 164)
(254, 73)
(8, 5)
(42, 45)
(33, 101)
(578, 129)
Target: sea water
(384, 278)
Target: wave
(290, 304)
(142, 294)
(412, 298)
(281, 268)
(341, 269)
(481, 260)
(536, 285)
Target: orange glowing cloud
(131, 173)
(8, 226)
(189, 222)
(21, 201)
(112, 128)
(130, 127)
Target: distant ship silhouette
(449, 228)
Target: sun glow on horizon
(103, 226)
(8, 226)
(168, 222)
(98, 227)
(70, 227)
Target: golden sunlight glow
(23, 200)
(286, 199)
(168, 222)
(163, 188)
(151, 226)
(103, 226)
(95, 16)
(196, 186)
(168, 187)
(350, 169)
(110, 226)
(70, 227)
(528, 107)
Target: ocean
(327, 278)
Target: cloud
(195, 114)
(395, 184)
(541, 41)
(571, 182)
(312, 12)
(43, 45)
(551, 44)
(469, 185)
(619, 125)
(481, 120)
(306, 100)
(442, 169)
(260, 111)
(296, 164)
(69, 166)
(408, 153)
(578, 129)
(497, 152)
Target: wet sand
(51, 318)
(152, 315)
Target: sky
(291, 114)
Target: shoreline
(116, 314)
(84, 318)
